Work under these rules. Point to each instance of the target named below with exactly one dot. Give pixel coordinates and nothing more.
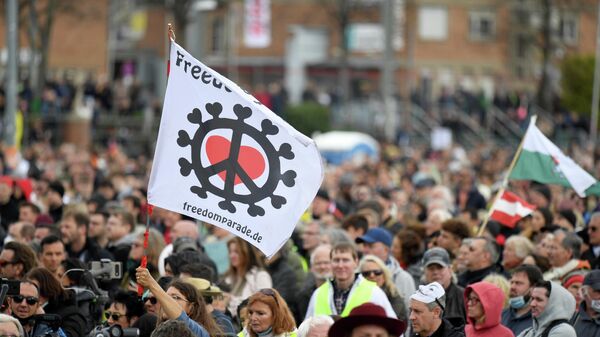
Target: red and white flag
(509, 209)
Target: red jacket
(492, 300)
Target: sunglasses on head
(368, 273)
(29, 299)
(114, 315)
(152, 300)
(268, 292)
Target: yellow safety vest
(361, 293)
(244, 333)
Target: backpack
(552, 325)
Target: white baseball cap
(429, 293)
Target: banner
(224, 158)
(257, 23)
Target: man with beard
(74, 228)
(517, 317)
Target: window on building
(433, 23)
(482, 25)
(218, 36)
(568, 28)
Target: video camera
(106, 269)
(114, 331)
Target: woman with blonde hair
(156, 243)
(246, 274)
(374, 269)
(502, 283)
(268, 316)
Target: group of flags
(263, 207)
(542, 161)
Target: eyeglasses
(367, 273)
(5, 263)
(114, 315)
(29, 299)
(473, 300)
(593, 229)
(152, 300)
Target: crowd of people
(389, 247)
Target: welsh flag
(509, 209)
(542, 161)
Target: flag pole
(505, 180)
(144, 262)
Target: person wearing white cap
(426, 310)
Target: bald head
(184, 228)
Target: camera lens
(115, 331)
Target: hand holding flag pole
(504, 182)
(144, 263)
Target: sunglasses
(152, 300)
(5, 263)
(268, 292)
(367, 273)
(29, 299)
(114, 315)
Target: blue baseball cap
(376, 235)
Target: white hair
(313, 322)
(9, 319)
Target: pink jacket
(492, 300)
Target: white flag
(224, 158)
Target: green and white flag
(542, 161)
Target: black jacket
(308, 287)
(284, 280)
(455, 305)
(446, 329)
(591, 258)
(470, 277)
(90, 252)
(584, 324)
(74, 321)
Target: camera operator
(25, 306)
(76, 320)
(125, 309)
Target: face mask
(596, 305)
(517, 302)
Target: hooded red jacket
(492, 300)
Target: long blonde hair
(388, 284)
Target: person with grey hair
(10, 326)
(320, 271)
(427, 305)
(592, 255)
(316, 326)
(564, 255)
(516, 249)
(480, 261)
